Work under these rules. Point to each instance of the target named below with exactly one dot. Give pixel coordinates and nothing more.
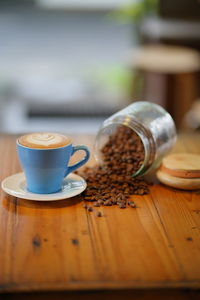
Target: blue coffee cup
(45, 169)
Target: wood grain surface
(61, 246)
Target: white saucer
(15, 185)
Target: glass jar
(151, 123)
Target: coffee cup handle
(81, 162)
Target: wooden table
(59, 246)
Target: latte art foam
(44, 140)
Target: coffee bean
(90, 208)
(131, 204)
(122, 205)
(100, 202)
(98, 214)
(107, 203)
(114, 201)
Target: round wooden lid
(182, 165)
(178, 183)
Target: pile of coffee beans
(111, 183)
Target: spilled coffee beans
(112, 183)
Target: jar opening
(117, 131)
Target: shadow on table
(160, 294)
(19, 206)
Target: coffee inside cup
(44, 140)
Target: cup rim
(43, 149)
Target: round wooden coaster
(182, 165)
(179, 183)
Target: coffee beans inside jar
(111, 183)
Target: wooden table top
(61, 246)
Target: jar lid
(181, 170)
(182, 165)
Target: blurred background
(66, 65)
